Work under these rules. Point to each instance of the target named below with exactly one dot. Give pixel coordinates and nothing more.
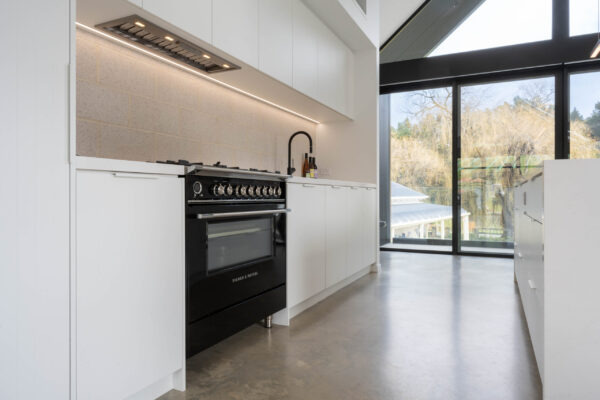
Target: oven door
(232, 256)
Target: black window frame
(559, 57)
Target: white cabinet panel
(193, 16)
(355, 250)
(130, 282)
(306, 242)
(235, 29)
(333, 70)
(306, 28)
(336, 234)
(275, 39)
(136, 2)
(370, 226)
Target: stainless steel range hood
(153, 38)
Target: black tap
(291, 170)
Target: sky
(505, 22)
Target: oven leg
(268, 322)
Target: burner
(219, 165)
(278, 172)
(179, 162)
(253, 169)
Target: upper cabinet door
(275, 39)
(333, 70)
(193, 16)
(235, 29)
(306, 28)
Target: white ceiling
(393, 13)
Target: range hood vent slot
(153, 38)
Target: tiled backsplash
(133, 107)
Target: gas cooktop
(216, 168)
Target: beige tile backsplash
(133, 107)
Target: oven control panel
(213, 188)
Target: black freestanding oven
(235, 251)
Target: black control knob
(271, 191)
(278, 191)
(197, 188)
(251, 191)
(243, 190)
(258, 191)
(229, 190)
(265, 191)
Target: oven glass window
(237, 242)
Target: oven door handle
(242, 214)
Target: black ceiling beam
(509, 58)
(409, 20)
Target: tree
(500, 146)
(576, 115)
(594, 121)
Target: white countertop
(328, 182)
(142, 167)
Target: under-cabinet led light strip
(192, 71)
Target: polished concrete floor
(427, 327)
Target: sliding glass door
(420, 191)
(584, 115)
(507, 130)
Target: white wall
(349, 150)
(34, 200)
(369, 22)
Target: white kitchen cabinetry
(329, 241)
(336, 225)
(130, 304)
(235, 29)
(306, 27)
(306, 242)
(356, 219)
(333, 62)
(275, 39)
(193, 16)
(282, 38)
(369, 227)
(362, 245)
(557, 231)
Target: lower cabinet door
(356, 235)
(130, 282)
(306, 241)
(337, 233)
(370, 226)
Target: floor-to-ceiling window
(420, 139)
(506, 132)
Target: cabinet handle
(335, 187)
(354, 187)
(133, 175)
(307, 185)
(531, 284)
(370, 188)
(531, 218)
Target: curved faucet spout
(291, 170)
